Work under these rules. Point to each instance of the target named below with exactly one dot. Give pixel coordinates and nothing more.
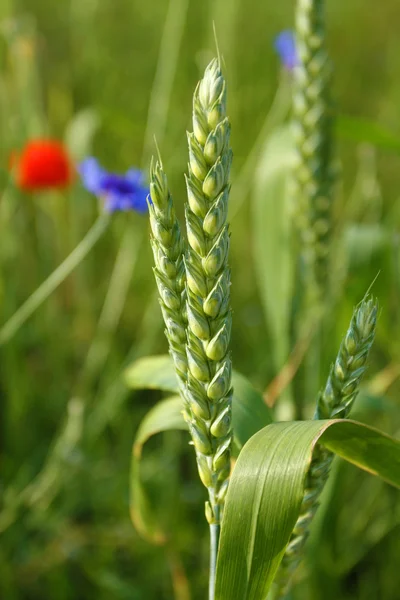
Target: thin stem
(54, 280)
(214, 540)
(114, 302)
(160, 96)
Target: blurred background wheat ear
(103, 77)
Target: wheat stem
(313, 124)
(48, 286)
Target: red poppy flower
(42, 164)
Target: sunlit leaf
(266, 492)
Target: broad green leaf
(271, 238)
(166, 415)
(249, 411)
(266, 492)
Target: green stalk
(313, 132)
(214, 541)
(55, 279)
(334, 402)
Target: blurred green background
(106, 76)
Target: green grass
(70, 536)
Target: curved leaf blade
(249, 411)
(249, 414)
(164, 416)
(266, 492)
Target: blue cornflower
(285, 45)
(120, 192)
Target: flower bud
(211, 518)
(175, 331)
(221, 382)
(339, 370)
(205, 472)
(366, 318)
(180, 279)
(215, 259)
(360, 359)
(195, 279)
(217, 113)
(216, 89)
(170, 298)
(180, 361)
(200, 126)
(160, 232)
(196, 198)
(212, 303)
(201, 441)
(162, 262)
(197, 161)
(197, 323)
(224, 473)
(222, 424)
(216, 141)
(215, 180)
(197, 361)
(351, 342)
(216, 216)
(198, 402)
(223, 489)
(356, 375)
(210, 87)
(158, 186)
(222, 455)
(218, 346)
(218, 299)
(195, 234)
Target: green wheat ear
(169, 270)
(194, 285)
(334, 402)
(313, 123)
(209, 389)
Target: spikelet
(334, 402)
(209, 390)
(169, 270)
(312, 123)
